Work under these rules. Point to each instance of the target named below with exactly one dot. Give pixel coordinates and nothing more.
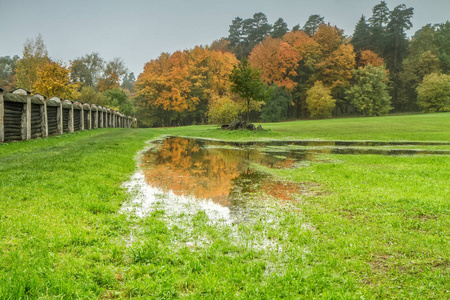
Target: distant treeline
(89, 78)
(312, 70)
(263, 71)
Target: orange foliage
(220, 45)
(175, 82)
(329, 38)
(277, 61)
(336, 70)
(53, 80)
(368, 57)
(108, 83)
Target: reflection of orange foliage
(282, 190)
(182, 166)
(186, 168)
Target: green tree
(34, 56)
(434, 93)
(319, 101)
(279, 29)
(8, 72)
(361, 36)
(397, 46)
(87, 69)
(223, 110)
(90, 95)
(369, 94)
(128, 82)
(312, 25)
(442, 40)
(118, 99)
(277, 104)
(246, 82)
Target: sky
(140, 30)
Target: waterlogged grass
(422, 127)
(376, 227)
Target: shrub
(433, 94)
(319, 101)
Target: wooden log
(12, 133)
(13, 105)
(14, 126)
(12, 112)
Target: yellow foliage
(53, 80)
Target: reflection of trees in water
(188, 168)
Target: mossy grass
(376, 226)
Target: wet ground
(180, 175)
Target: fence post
(26, 115)
(60, 118)
(2, 116)
(70, 123)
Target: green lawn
(376, 226)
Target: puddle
(185, 176)
(181, 175)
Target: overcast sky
(139, 30)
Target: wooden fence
(24, 116)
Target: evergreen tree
(442, 40)
(280, 28)
(397, 46)
(361, 36)
(312, 25)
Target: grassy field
(376, 226)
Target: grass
(378, 229)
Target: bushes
(369, 95)
(434, 93)
(319, 101)
(223, 110)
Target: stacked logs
(13, 121)
(36, 121)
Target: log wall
(24, 117)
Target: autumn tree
(53, 80)
(319, 100)
(34, 57)
(308, 55)
(277, 62)
(368, 57)
(246, 82)
(220, 45)
(370, 93)
(434, 93)
(176, 88)
(329, 38)
(113, 73)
